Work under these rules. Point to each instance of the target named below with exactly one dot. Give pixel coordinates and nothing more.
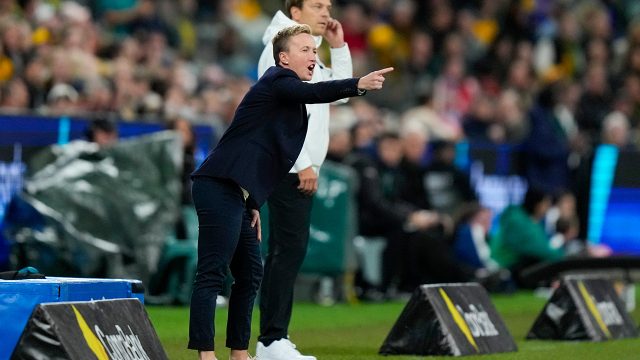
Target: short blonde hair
(281, 40)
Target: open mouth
(311, 67)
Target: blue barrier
(18, 298)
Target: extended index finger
(384, 71)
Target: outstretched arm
(291, 88)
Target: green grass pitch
(355, 332)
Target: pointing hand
(373, 80)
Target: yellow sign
(459, 320)
(94, 344)
(593, 309)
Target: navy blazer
(268, 130)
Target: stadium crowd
(555, 78)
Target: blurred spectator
(453, 93)
(184, 128)
(426, 114)
(632, 60)
(480, 124)
(597, 22)
(415, 141)
(559, 54)
(595, 102)
(363, 134)
(471, 239)
(16, 42)
(492, 67)
(631, 91)
(213, 104)
(185, 27)
(230, 51)
(14, 96)
(447, 189)
(485, 26)
(563, 207)
(520, 78)
(390, 45)
(454, 48)
(598, 53)
(355, 18)
(37, 78)
(389, 41)
(6, 65)
(340, 143)
(415, 147)
(380, 211)
(62, 99)
(615, 131)
(416, 251)
(232, 37)
(474, 33)
(126, 17)
(102, 132)
(438, 18)
(422, 64)
(510, 115)
(521, 240)
(546, 147)
(368, 126)
(99, 95)
(566, 236)
(157, 56)
(564, 110)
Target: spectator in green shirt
(521, 240)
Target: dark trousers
(226, 240)
(289, 218)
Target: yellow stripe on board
(593, 309)
(459, 320)
(94, 344)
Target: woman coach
(256, 151)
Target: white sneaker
(282, 349)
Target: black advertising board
(449, 319)
(104, 330)
(584, 308)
